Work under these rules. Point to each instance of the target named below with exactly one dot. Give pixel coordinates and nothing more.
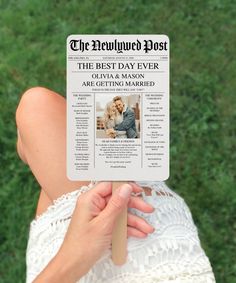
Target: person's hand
(90, 230)
(111, 133)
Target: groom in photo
(127, 118)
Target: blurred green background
(203, 107)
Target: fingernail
(125, 191)
(133, 183)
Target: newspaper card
(118, 107)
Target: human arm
(63, 268)
(127, 122)
(92, 222)
(108, 127)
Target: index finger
(136, 188)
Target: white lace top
(172, 254)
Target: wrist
(73, 262)
(63, 268)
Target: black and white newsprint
(118, 107)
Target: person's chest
(119, 118)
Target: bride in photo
(111, 118)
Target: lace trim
(58, 202)
(161, 262)
(71, 195)
(152, 277)
(172, 254)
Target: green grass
(203, 107)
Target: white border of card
(118, 107)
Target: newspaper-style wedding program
(118, 107)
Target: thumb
(117, 203)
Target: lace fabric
(172, 254)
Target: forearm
(62, 269)
(123, 126)
(126, 123)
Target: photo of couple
(118, 117)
